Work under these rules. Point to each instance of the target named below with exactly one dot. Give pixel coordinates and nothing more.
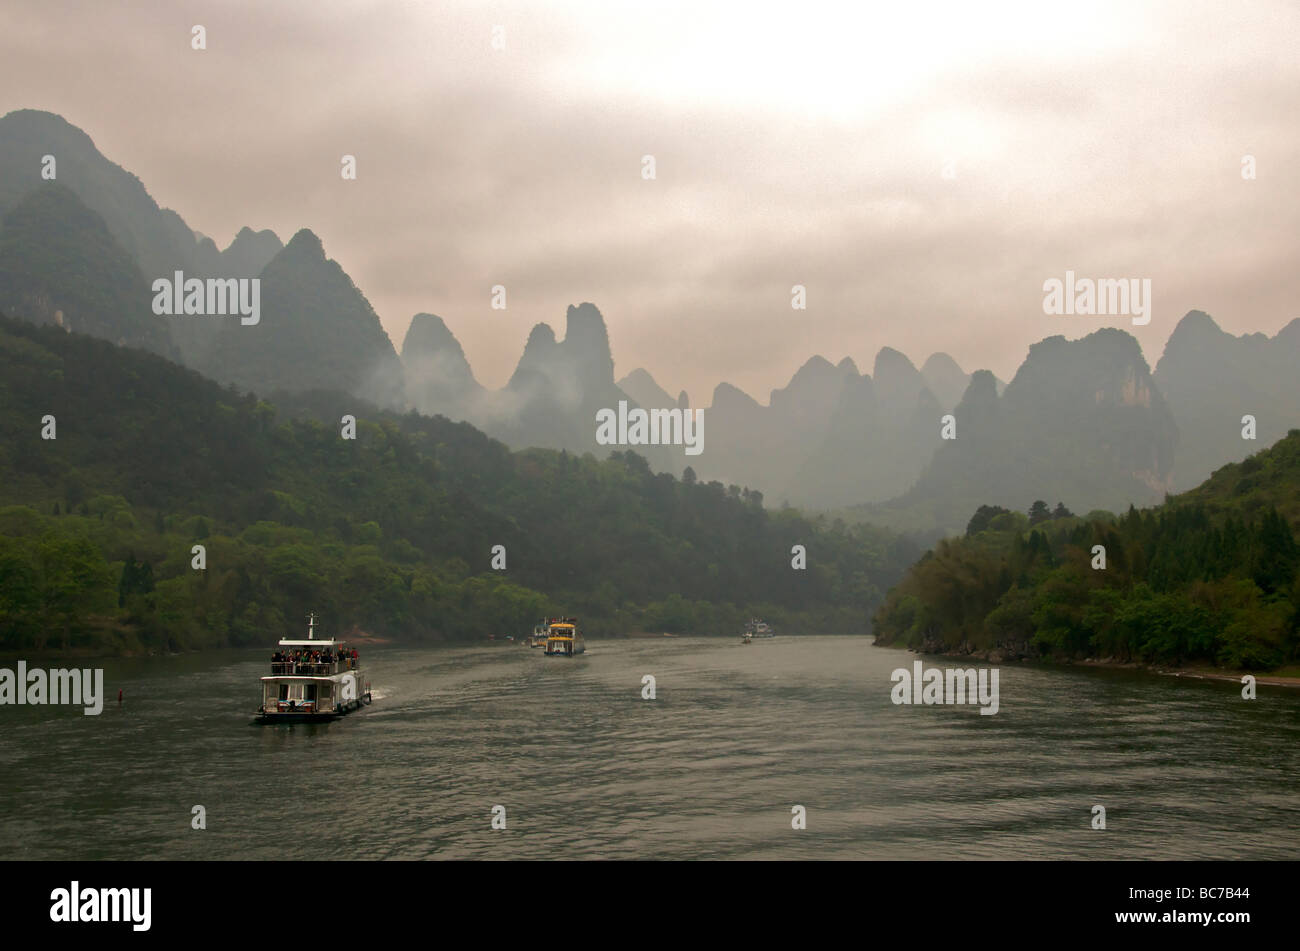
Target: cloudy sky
(802, 143)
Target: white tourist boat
(312, 680)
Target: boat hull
(264, 718)
(324, 716)
(566, 650)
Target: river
(712, 767)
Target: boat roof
(316, 643)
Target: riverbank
(1282, 677)
(1270, 680)
(1288, 676)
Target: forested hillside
(1212, 575)
(391, 532)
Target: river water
(712, 767)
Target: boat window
(284, 691)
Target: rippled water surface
(709, 769)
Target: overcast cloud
(794, 144)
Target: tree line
(1212, 576)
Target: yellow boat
(563, 639)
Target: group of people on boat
(347, 659)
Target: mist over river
(736, 736)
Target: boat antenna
(311, 627)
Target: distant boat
(757, 628)
(538, 637)
(313, 680)
(563, 639)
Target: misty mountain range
(1082, 421)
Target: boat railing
(290, 669)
